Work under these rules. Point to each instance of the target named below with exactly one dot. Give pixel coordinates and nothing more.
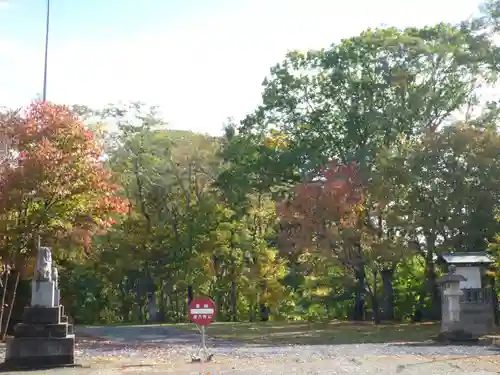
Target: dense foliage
(364, 161)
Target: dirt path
(165, 335)
(165, 350)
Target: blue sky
(200, 61)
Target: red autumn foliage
(319, 209)
(56, 160)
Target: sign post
(202, 313)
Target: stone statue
(44, 264)
(55, 276)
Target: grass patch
(304, 333)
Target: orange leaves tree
(321, 215)
(328, 215)
(334, 215)
(53, 181)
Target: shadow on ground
(428, 344)
(115, 337)
(321, 333)
(145, 334)
(242, 334)
(110, 338)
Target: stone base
(38, 363)
(40, 352)
(42, 315)
(43, 330)
(456, 336)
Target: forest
(331, 200)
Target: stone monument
(44, 338)
(451, 293)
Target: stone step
(42, 315)
(41, 330)
(64, 319)
(36, 352)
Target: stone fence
(472, 313)
(477, 296)
(477, 315)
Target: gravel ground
(162, 350)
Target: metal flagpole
(45, 66)
(47, 24)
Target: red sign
(202, 311)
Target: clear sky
(201, 61)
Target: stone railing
(477, 296)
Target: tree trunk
(429, 289)
(140, 312)
(418, 316)
(387, 275)
(263, 309)
(190, 296)
(152, 307)
(11, 306)
(432, 290)
(376, 310)
(124, 306)
(234, 302)
(218, 299)
(495, 298)
(264, 313)
(185, 309)
(173, 313)
(162, 308)
(359, 303)
(177, 307)
(251, 312)
(375, 302)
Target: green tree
(356, 101)
(451, 189)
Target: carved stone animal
(44, 264)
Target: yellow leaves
(322, 291)
(276, 140)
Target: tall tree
(450, 181)
(367, 95)
(370, 91)
(53, 182)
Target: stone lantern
(451, 292)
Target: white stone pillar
(43, 293)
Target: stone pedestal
(43, 294)
(44, 338)
(40, 352)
